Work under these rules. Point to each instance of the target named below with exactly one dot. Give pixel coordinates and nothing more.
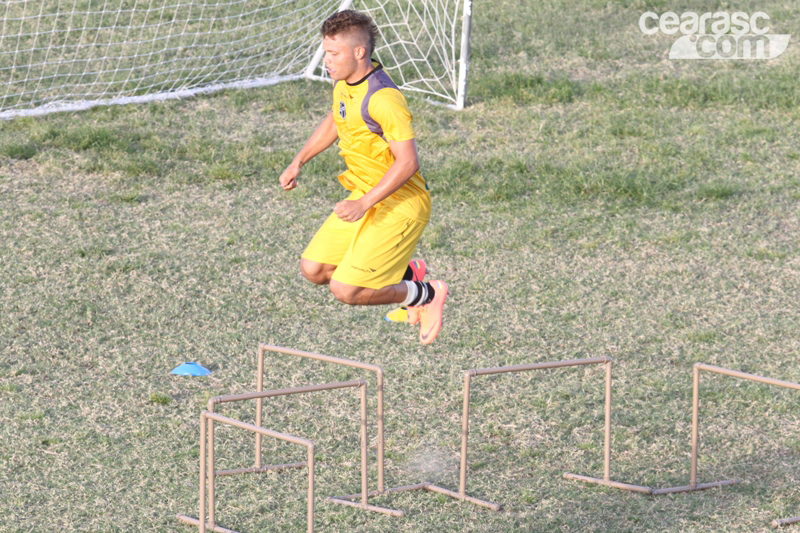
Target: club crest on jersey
(342, 110)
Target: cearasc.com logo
(717, 35)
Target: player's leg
(425, 300)
(371, 271)
(416, 271)
(354, 295)
(318, 273)
(409, 293)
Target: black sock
(425, 294)
(431, 293)
(408, 276)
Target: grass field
(594, 199)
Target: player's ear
(360, 52)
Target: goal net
(63, 55)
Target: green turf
(593, 199)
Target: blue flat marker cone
(191, 369)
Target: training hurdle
(693, 485)
(264, 348)
(382, 489)
(342, 500)
(468, 375)
(208, 475)
(605, 480)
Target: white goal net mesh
(58, 55)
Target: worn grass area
(593, 200)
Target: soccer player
(362, 251)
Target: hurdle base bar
(366, 507)
(259, 469)
(348, 500)
(699, 486)
(608, 483)
(780, 522)
(195, 522)
(420, 486)
(463, 497)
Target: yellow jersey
(369, 114)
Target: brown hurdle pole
(606, 479)
(263, 348)
(206, 419)
(461, 495)
(469, 374)
(208, 429)
(382, 489)
(342, 500)
(217, 400)
(693, 485)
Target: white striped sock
(413, 293)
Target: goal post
(422, 44)
(67, 55)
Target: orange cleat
(413, 314)
(430, 315)
(418, 269)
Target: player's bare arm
(406, 164)
(324, 136)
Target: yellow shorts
(372, 252)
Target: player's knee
(347, 294)
(314, 272)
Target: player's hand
(288, 179)
(350, 210)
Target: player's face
(340, 57)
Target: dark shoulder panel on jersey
(377, 81)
